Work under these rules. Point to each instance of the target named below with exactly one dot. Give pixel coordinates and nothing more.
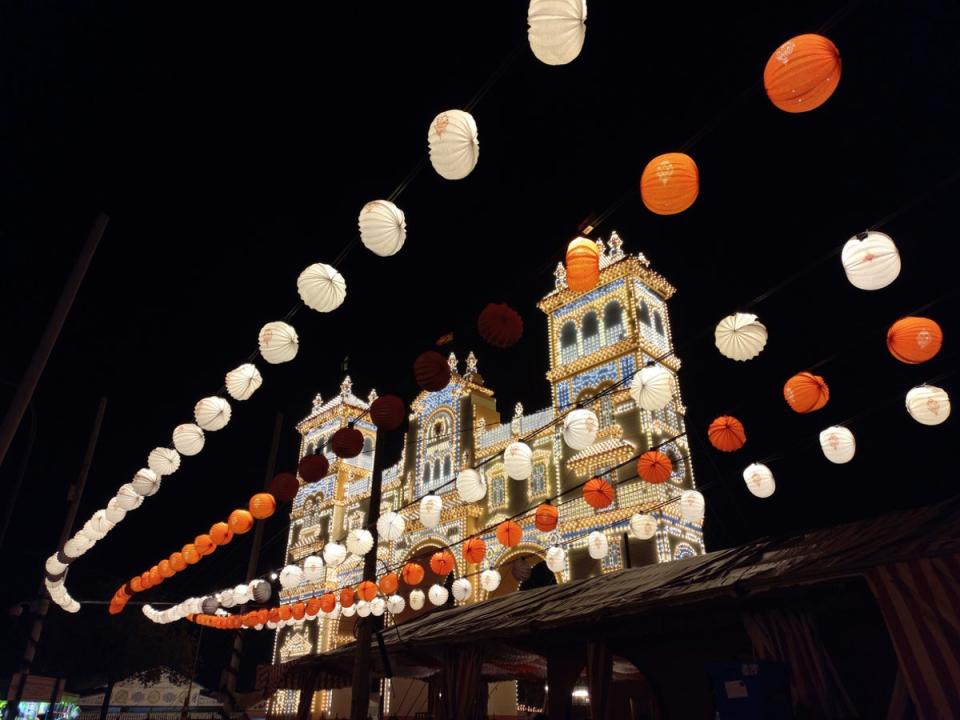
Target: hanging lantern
(412, 574)
(212, 413)
(363, 609)
(759, 480)
(430, 507)
(431, 371)
(315, 467)
(226, 598)
(128, 498)
(871, 260)
(209, 605)
(278, 342)
(490, 580)
(500, 325)
(390, 526)
(321, 287)
(328, 602)
(726, 434)
(113, 512)
(914, 340)
(291, 576)
(740, 336)
(462, 589)
(260, 590)
(389, 583)
(442, 563)
(348, 610)
(346, 597)
(100, 521)
(243, 381)
(518, 460)
(334, 554)
(74, 548)
(312, 568)
(838, 444)
(802, 73)
(670, 183)
(286, 613)
(163, 461)
(387, 412)
(377, 606)
(597, 545)
(545, 518)
(652, 387)
(643, 526)
(146, 482)
(454, 145)
(598, 493)
(692, 506)
(191, 554)
(557, 30)
(396, 604)
(928, 404)
(188, 439)
(367, 590)
(359, 541)
(474, 550)
(262, 506)
(471, 486)
(240, 521)
(417, 599)
(383, 227)
(284, 487)
(509, 533)
(806, 392)
(556, 559)
(583, 264)
(521, 570)
(347, 442)
(220, 533)
(655, 467)
(313, 607)
(580, 428)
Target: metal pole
(18, 406)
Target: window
(368, 446)
(446, 467)
(590, 329)
(644, 313)
(568, 342)
(538, 481)
(436, 469)
(426, 476)
(658, 323)
(613, 323)
(497, 492)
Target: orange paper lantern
(412, 574)
(204, 545)
(442, 563)
(474, 550)
(654, 467)
(346, 597)
(806, 392)
(240, 521)
(155, 577)
(285, 612)
(190, 554)
(670, 183)
(583, 264)
(221, 533)
(914, 340)
(178, 562)
(802, 73)
(262, 506)
(367, 590)
(328, 601)
(389, 583)
(313, 606)
(509, 533)
(546, 517)
(298, 610)
(726, 433)
(598, 493)
(165, 569)
(274, 615)
(263, 614)
(145, 580)
(136, 584)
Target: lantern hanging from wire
(914, 340)
(278, 342)
(454, 144)
(928, 404)
(557, 29)
(802, 73)
(740, 336)
(383, 227)
(670, 183)
(870, 260)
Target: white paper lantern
(417, 599)
(243, 381)
(88, 539)
(643, 526)
(518, 461)
(597, 545)
(348, 611)
(242, 594)
(278, 342)
(557, 29)
(838, 444)
(692, 506)
(72, 606)
(75, 547)
(163, 461)
(377, 606)
(461, 589)
(383, 228)
(580, 428)
(928, 404)
(226, 599)
(556, 559)
(54, 566)
(101, 523)
(312, 568)
(114, 512)
(128, 498)
(652, 387)
(396, 604)
(188, 439)
(430, 507)
(321, 287)
(92, 530)
(454, 145)
(740, 336)
(490, 580)
(271, 625)
(870, 260)
(260, 590)
(291, 576)
(363, 608)
(359, 541)
(471, 487)
(391, 525)
(334, 554)
(759, 480)
(145, 482)
(212, 413)
(438, 594)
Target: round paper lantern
(643, 526)
(454, 145)
(262, 506)
(348, 610)
(509, 533)
(871, 260)
(597, 545)
(291, 576)
(474, 550)
(347, 442)
(334, 554)
(383, 227)
(652, 387)
(557, 29)
(726, 434)
(546, 517)
(328, 602)
(670, 183)
(655, 467)
(212, 413)
(462, 589)
(313, 607)
(54, 566)
(387, 412)
(243, 381)
(260, 589)
(521, 570)
(740, 336)
(430, 507)
(363, 608)
(580, 428)
(146, 482)
(128, 498)
(759, 480)
(220, 533)
(806, 392)
(490, 580)
(928, 404)
(240, 521)
(367, 590)
(359, 541)
(583, 264)
(442, 563)
(438, 594)
(471, 486)
(692, 506)
(598, 493)
(74, 548)
(390, 526)
(226, 598)
(312, 568)
(92, 531)
(389, 583)
(556, 559)
(113, 512)
(188, 439)
(284, 487)
(191, 554)
(838, 444)
(914, 340)
(377, 606)
(417, 599)
(431, 371)
(518, 460)
(286, 612)
(346, 597)
(101, 523)
(163, 461)
(412, 574)
(278, 342)
(500, 325)
(802, 73)
(204, 545)
(209, 604)
(396, 604)
(321, 287)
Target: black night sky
(232, 147)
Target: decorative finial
(471, 363)
(602, 247)
(317, 401)
(616, 247)
(452, 362)
(346, 386)
(372, 396)
(560, 277)
(518, 410)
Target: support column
(563, 669)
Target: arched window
(436, 469)
(644, 313)
(568, 342)
(446, 467)
(426, 475)
(613, 322)
(590, 330)
(658, 323)
(368, 446)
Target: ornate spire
(372, 396)
(560, 277)
(317, 401)
(518, 410)
(471, 363)
(616, 247)
(346, 387)
(452, 362)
